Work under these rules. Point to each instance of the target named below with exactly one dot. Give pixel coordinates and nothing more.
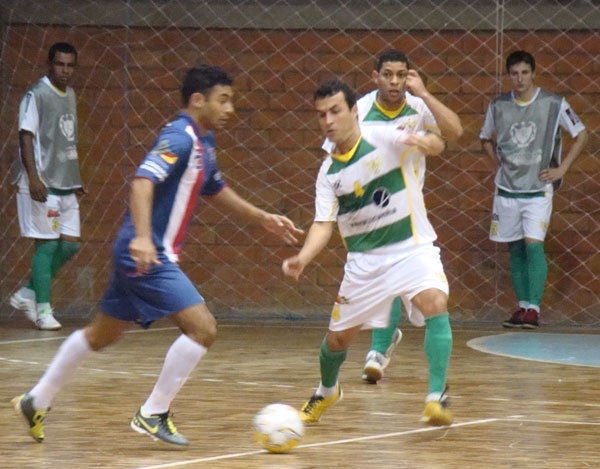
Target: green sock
(41, 269)
(382, 338)
(330, 364)
(63, 253)
(438, 345)
(519, 270)
(537, 269)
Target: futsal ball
(278, 428)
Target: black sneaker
(158, 427)
(516, 320)
(530, 319)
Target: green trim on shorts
(520, 195)
(60, 191)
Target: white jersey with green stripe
(413, 116)
(375, 195)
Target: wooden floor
(509, 413)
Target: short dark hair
(333, 87)
(391, 55)
(201, 79)
(63, 47)
(519, 56)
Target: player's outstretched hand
(143, 253)
(293, 267)
(282, 227)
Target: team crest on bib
(523, 133)
(67, 126)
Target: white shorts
(519, 218)
(48, 220)
(372, 282)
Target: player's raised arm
(277, 224)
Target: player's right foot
(530, 319)
(376, 362)
(46, 322)
(516, 320)
(158, 427)
(313, 408)
(23, 404)
(21, 303)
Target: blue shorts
(145, 298)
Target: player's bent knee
(198, 324)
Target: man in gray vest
(522, 133)
(48, 182)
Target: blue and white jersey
(182, 164)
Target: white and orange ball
(278, 428)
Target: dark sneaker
(530, 319)
(516, 320)
(158, 427)
(23, 404)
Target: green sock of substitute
(438, 346)
(519, 273)
(330, 364)
(537, 269)
(382, 338)
(41, 269)
(63, 253)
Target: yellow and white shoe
(23, 404)
(313, 408)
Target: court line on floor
(325, 443)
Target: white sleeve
(429, 122)
(28, 114)
(569, 121)
(489, 126)
(326, 202)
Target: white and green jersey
(375, 195)
(51, 116)
(413, 116)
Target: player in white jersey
(400, 101)
(49, 182)
(522, 133)
(374, 194)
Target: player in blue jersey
(146, 282)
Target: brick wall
(127, 85)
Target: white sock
(534, 307)
(27, 293)
(182, 357)
(325, 391)
(42, 306)
(73, 351)
(523, 304)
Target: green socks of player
(330, 364)
(382, 338)
(50, 255)
(518, 271)
(528, 271)
(537, 270)
(438, 346)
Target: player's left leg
(438, 345)
(383, 343)
(33, 406)
(331, 356)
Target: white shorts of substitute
(519, 218)
(372, 281)
(48, 220)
